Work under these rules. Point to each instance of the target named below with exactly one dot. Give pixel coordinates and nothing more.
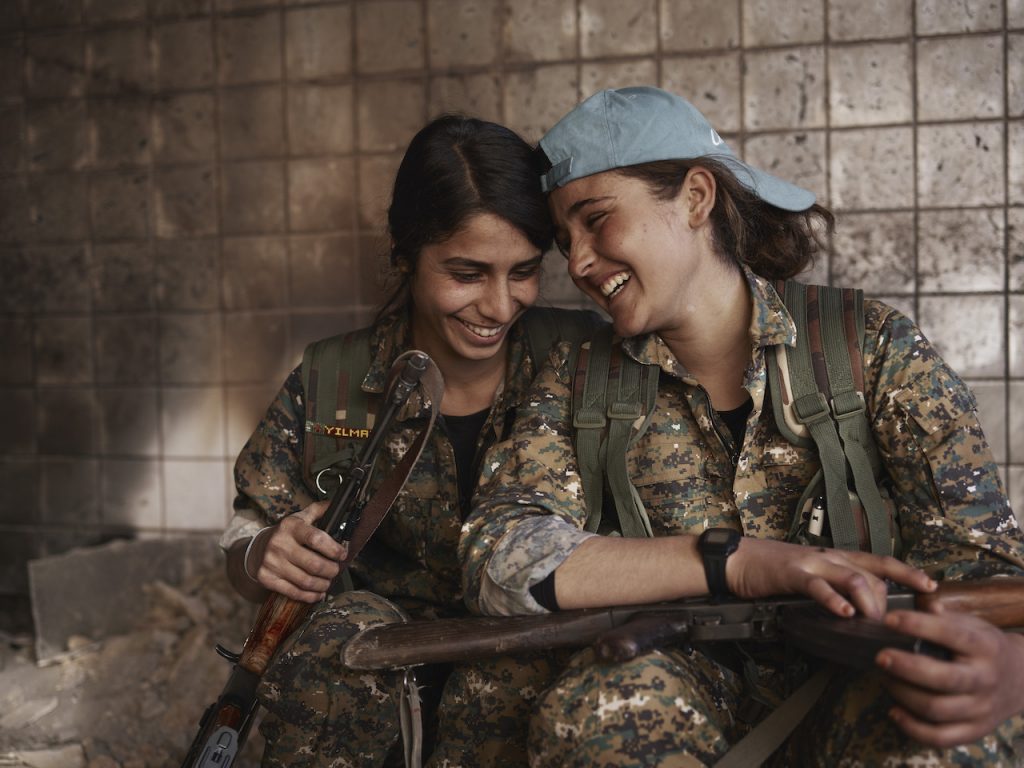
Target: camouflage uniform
(322, 714)
(673, 706)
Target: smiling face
(645, 261)
(469, 290)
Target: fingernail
(884, 660)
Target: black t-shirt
(736, 421)
(463, 432)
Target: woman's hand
(844, 582)
(295, 558)
(948, 703)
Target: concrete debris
(96, 591)
(28, 713)
(70, 756)
(128, 694)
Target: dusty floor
(131, 700)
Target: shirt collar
(770, 325)
(391, 336)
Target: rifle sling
(768, 735)
(410, 718)
(432, 388)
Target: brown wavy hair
(776, 244)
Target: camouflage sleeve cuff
(525, 556)
(245, 524)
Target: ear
(698, 195)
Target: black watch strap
(714, 572)
(715, 545)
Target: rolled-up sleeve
(529, 512)
(525, 556)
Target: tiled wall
(191, 189)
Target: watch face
(720, 541)
(717, 538)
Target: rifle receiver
(220, 750)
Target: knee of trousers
(667, 702)
(499, 688)
(313, 654)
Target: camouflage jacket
(954, 517)
(411, 558)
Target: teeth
(480, 330)
(613, 284)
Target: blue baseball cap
(628, 126)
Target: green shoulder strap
(613, 399)
(824, 398)
(339, 415)
(545, 326)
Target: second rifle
(349, 519)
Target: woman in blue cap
(679, 241)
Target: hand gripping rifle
(348, 518)
(620, 634)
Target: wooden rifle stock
(998, 600)
(225, 724)
(624, 632)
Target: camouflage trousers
(676, 708)
(321, 714)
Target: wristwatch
(715, 545)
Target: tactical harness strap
(339, 415)
(817, 395)
(612, 394)
(819, 385)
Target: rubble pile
(132, 699)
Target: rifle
(622, 633)
(349, 518)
